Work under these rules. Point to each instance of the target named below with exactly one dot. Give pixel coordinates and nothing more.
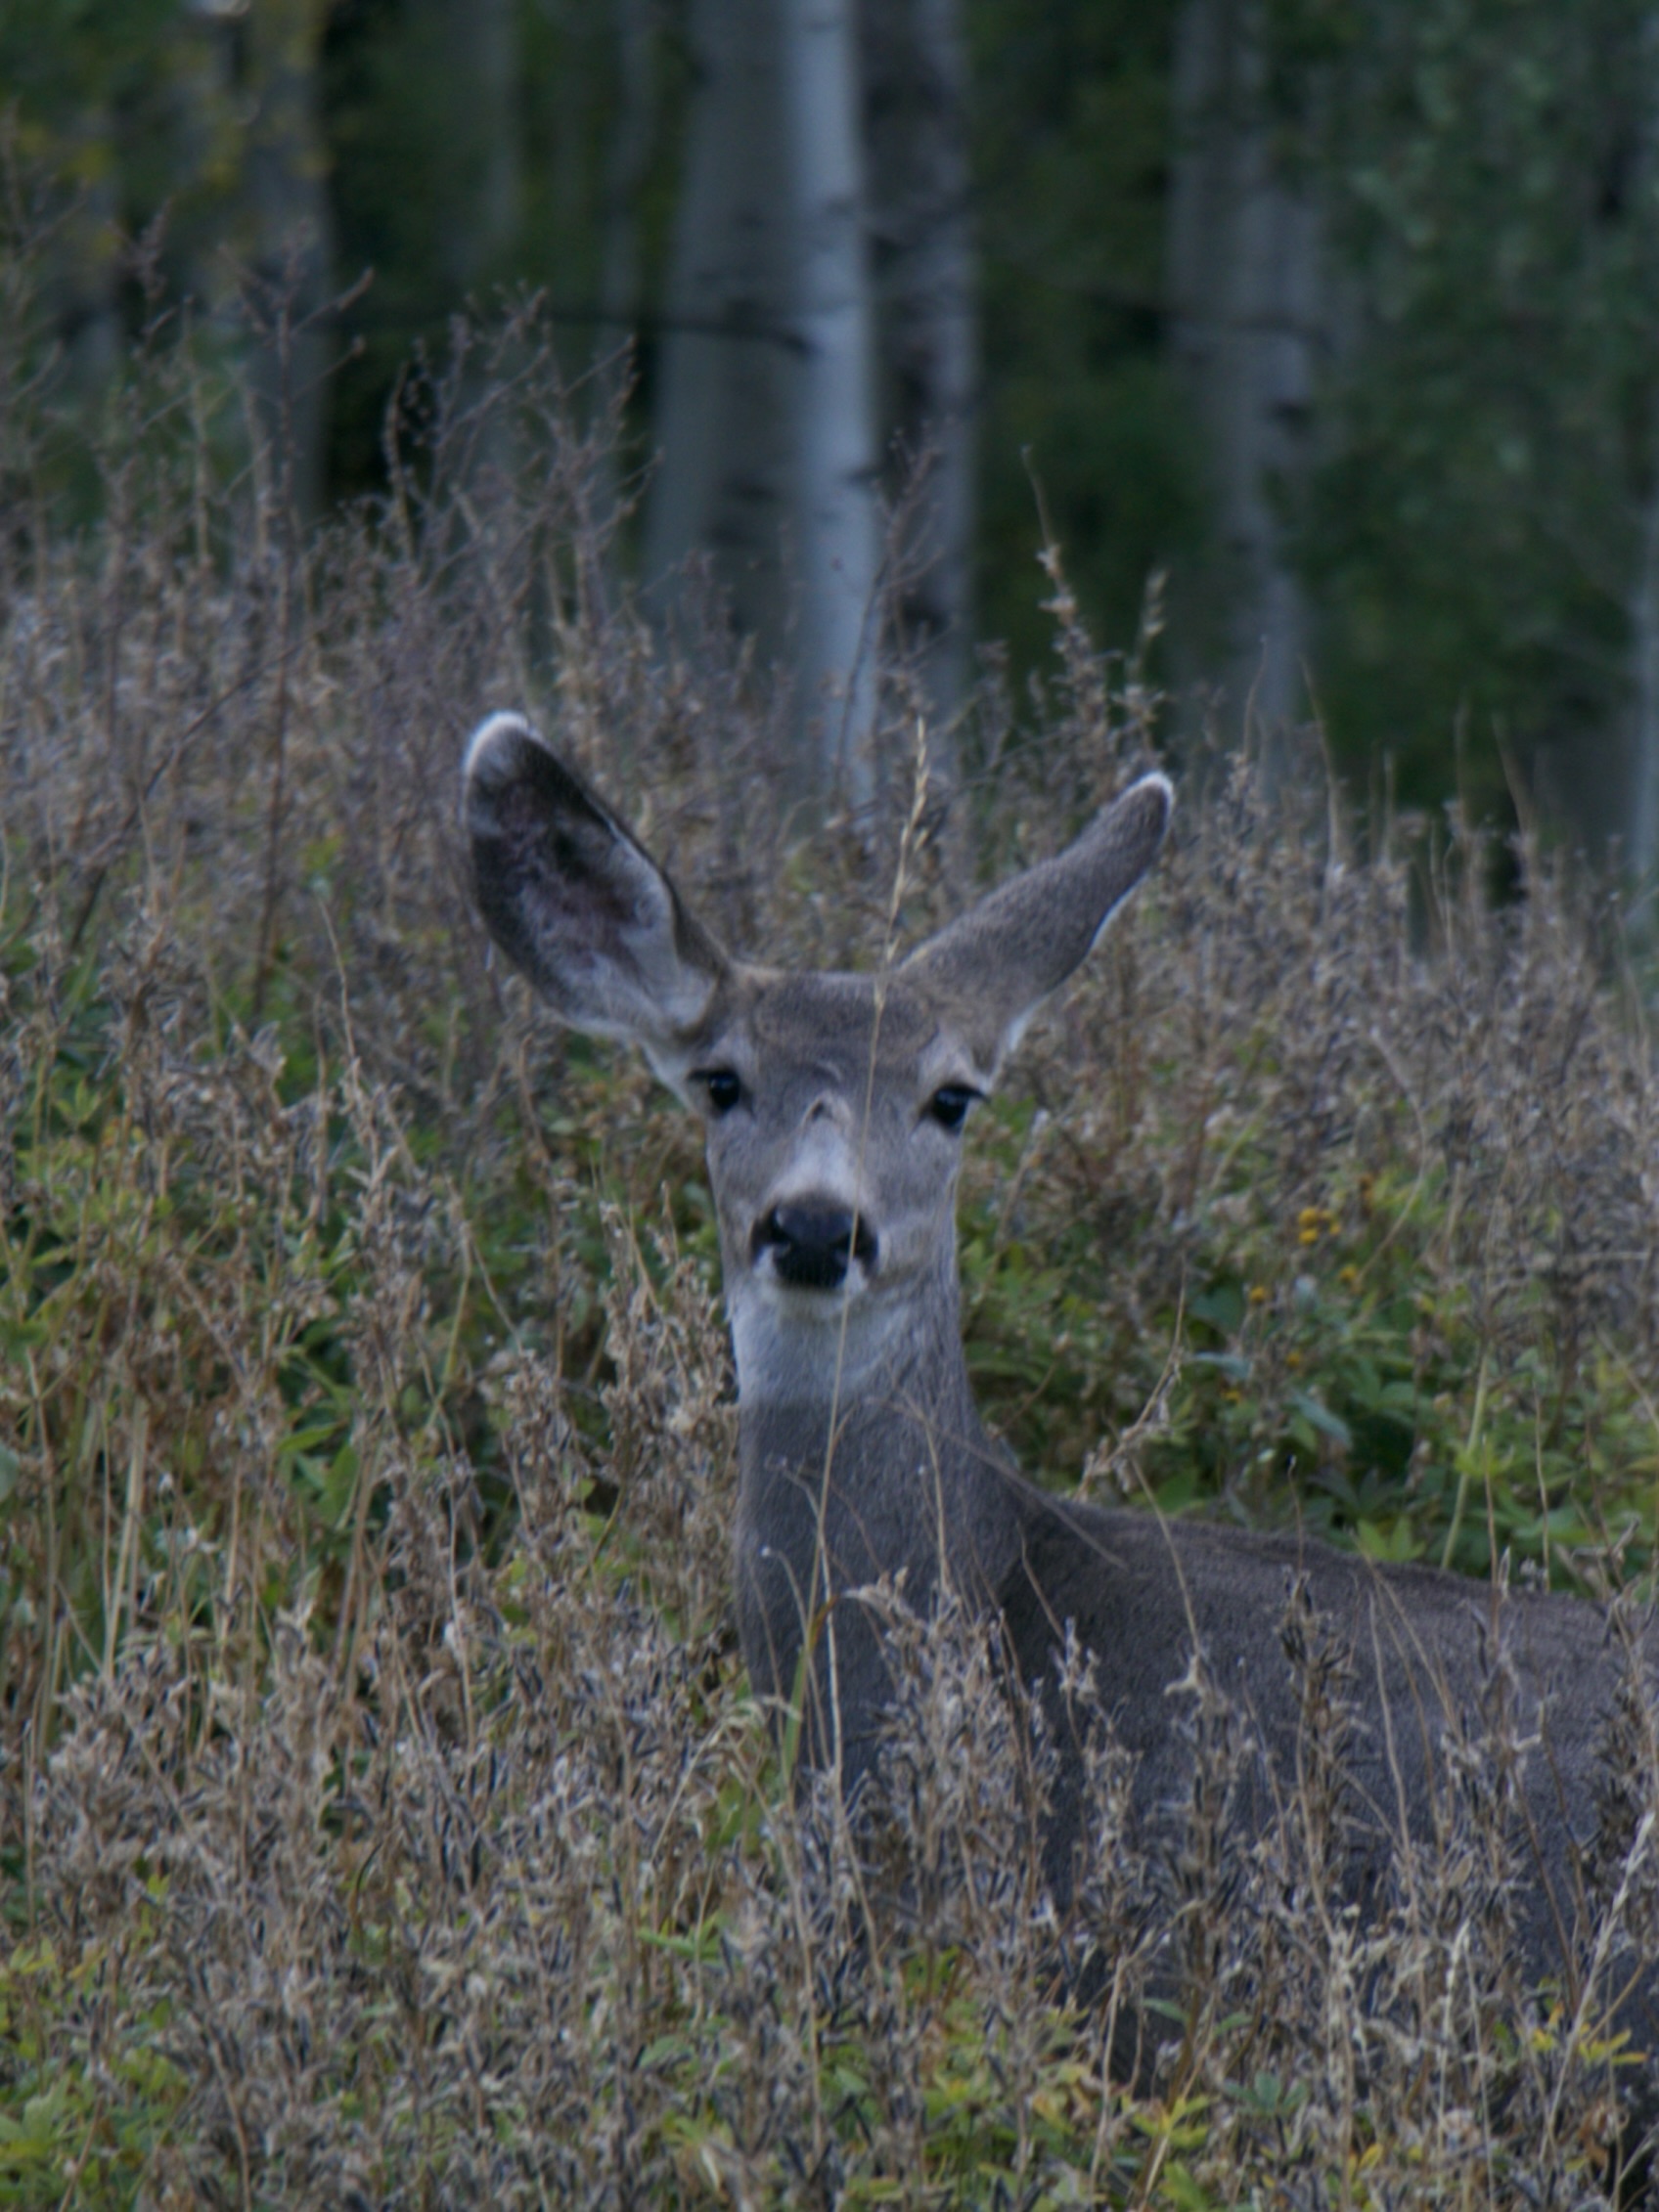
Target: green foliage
(95, 82)
(189, 1306)
(454, 191)
(1471, 538)
(66, 2126)
(1070, 152)
(382, 1811)
(140, 116)
(1324, 1364)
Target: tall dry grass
(384, 1819)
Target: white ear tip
(1144, 808)
(1156, 781)
(495, 730)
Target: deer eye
(722, 1086)
(950, 1103)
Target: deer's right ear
(576, 902)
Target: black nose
(811, 1245)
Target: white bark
(723, 484)
(916, 100)
(838, 547)
(287, 187)
(1245, 283)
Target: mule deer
(835, 1107)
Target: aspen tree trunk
(478, 44)
(1245, 286)
(916, 103)
(765, 413)
(724, 485)
(626, 161)
(287, 176)
(624, 174)
(838, 536)
(487, 32)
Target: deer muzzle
(813, 1243)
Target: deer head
(833, 1105)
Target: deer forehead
(882, 1037)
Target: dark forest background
(1321, 332)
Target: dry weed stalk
(382, 1817)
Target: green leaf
(1222, 1307)
(1234, 1365)
(1322, 1418)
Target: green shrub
(385, 1818)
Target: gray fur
(861, 1453)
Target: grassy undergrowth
(382, 1817)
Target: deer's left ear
(576, 901)
(1000, 959)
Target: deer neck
(860, 1455)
